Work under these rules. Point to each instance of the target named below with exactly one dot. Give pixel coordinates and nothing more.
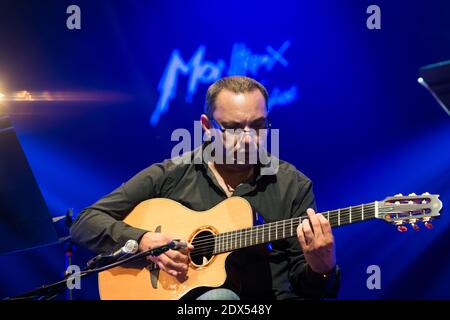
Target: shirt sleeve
(100, 227)
(303, 279)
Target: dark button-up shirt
(275, 271)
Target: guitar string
(332, 217)
(228, 244)
(253, 230)
(209, 244)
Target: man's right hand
(173, 262)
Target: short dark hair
(236, 84)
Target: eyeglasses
(239, 131)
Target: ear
(206, 124)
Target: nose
(249, 137)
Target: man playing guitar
(300, 267)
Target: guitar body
(140, 282)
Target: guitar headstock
(400, 210)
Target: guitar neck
(264, 233)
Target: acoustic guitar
(228, 226)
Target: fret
(276, 230)
(259, 238)
(215, 243)
(328, 215)
(235, 240)
(283, 229)
(218, 242)
(258, 235)
(251, 230)
(231, 240)
(263, 234)
(292, 227)
(339, 217)
(240, 239)
(225, 242)
(245, 244)
(376, 209)
(350, 215)
(362, 212)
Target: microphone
(177, 244)
(130, 247)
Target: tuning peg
(402, 228)
(397, 203)
(398, 195)
(426, 194)
(412, 194)
(428, 225)
(410, 202)
(424, 201)
(413, 224)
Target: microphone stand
(48, 292)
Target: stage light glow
(65, 96)
(22, 96)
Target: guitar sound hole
(203, 243)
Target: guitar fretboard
(232, 240)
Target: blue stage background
(351, 114)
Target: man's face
(241, 111)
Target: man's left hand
(317, 242)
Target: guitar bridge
(154, 269)
(154, 274)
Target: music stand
(436, 79)
(25, 221)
